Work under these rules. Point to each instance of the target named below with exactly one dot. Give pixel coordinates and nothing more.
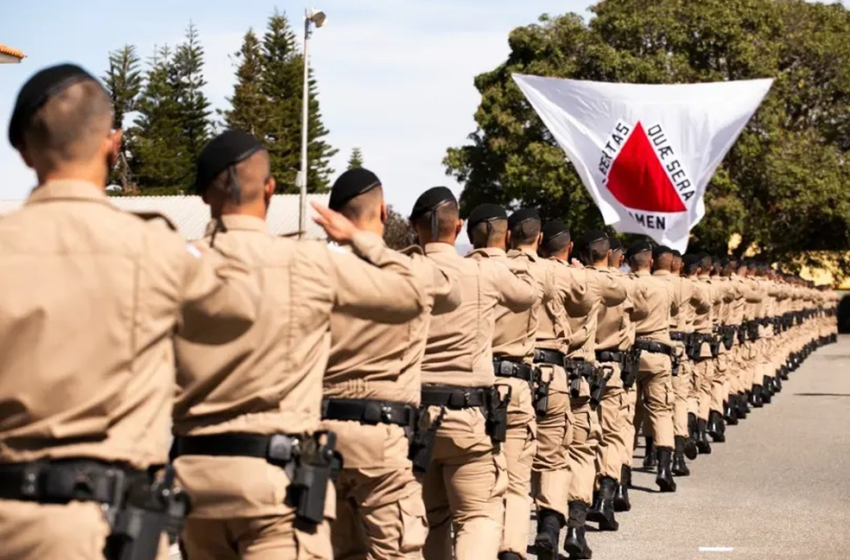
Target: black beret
(38, 90)
(616, 244)
(691, 261)
(485, 213)
(591, 237)
(661, 250)
(521, 216)
(228, 148)
(554, 229)
(637, 248)
(430, 200)
(352, 184)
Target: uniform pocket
(500, 463)
(414, 523)
(315, 545)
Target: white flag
(645, 152)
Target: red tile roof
(10, 51)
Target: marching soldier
(653, 339)
(372, 389)
(75, 460)
(706, 351)
(489, 230)
(465, 416)
(248, 446)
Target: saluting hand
(338, 227)
(575, 264)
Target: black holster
(541, 395)
(753, 330)
(149, 510)
(631, 368)
(421, 447)
(316, 463)
(714, 345)
(598, 385)
(742, 333)
(693, 346)
(497, 414)
(675, 364)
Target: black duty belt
(455, 397)
(59, 482)
(551, 357)
(276, 449)
(678, 336)
(505, 368)
(579, 368)
(618, 356)
(368, 411)
(654, 347)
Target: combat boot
(756, 396)
(602, 511)
(777, 383)
(549, 525)
(649, 460)
(767, 390)
(709, 428)
(576, 544)
(680, 467)
(783, 372)
(621, 497)
(730, 410)
(664, 480)
(510, 556)
(691, 450)
(743, 405)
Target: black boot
(767, 390)
(602, 511)
(664, 480)
(756, 396)
(777, 383)
(783, 372)
(691, 450)
(621, 497)
(680, 467)
(510, 556)
(649, 461)
(730, 410)
(575, 544)
(743, 405)
(549, 525)
(712, 428)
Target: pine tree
(124, 82)
(156, 150)
(248, 106)
(187, 78)
(319, 152)
(356, 159)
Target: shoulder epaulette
(150, 216)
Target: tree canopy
(781, 187)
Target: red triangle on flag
(638, 180)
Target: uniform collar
(439, 248)
(238, 222)
(532, 256)
(68, 189)
(642, 273)
(662, 273)
(490, 252)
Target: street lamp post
(311, 17)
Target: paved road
(779, 488)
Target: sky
(395, 76)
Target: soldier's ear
(458, 227)
(570, 250)
(384, 214)
(540, 239)
(508, 238)
(268, 188)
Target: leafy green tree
(124, 82)
(193, 108)
(780, 187)
(248, 106)
(356, 159)
(397, 231)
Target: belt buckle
(374, 412)
(29, 484)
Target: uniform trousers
(464, 488)
(656, 391)
(630, 406)
(550, 471)
(682, 387)
(583, 449)
(380, 514)
(611, 414)
(74, 531)
(239, 512)
(520, 448)
(705, 372)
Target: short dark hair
(525, 232)
(642, 259)
(557, 243)
(490, 231)
(447, 213)
(598, 250)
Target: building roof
(191, 215)
(11, 52)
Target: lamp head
(318, 18)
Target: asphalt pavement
(779, 488)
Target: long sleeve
(515, 286)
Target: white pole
(301, 178)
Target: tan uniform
(270, 382)
(380, 514)
(753, 297)
(466, 481)
(615, 333)
(655, 383)
(74, 261)
(603, 290)
(699, 401)
(550, 481)
(741, 351)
